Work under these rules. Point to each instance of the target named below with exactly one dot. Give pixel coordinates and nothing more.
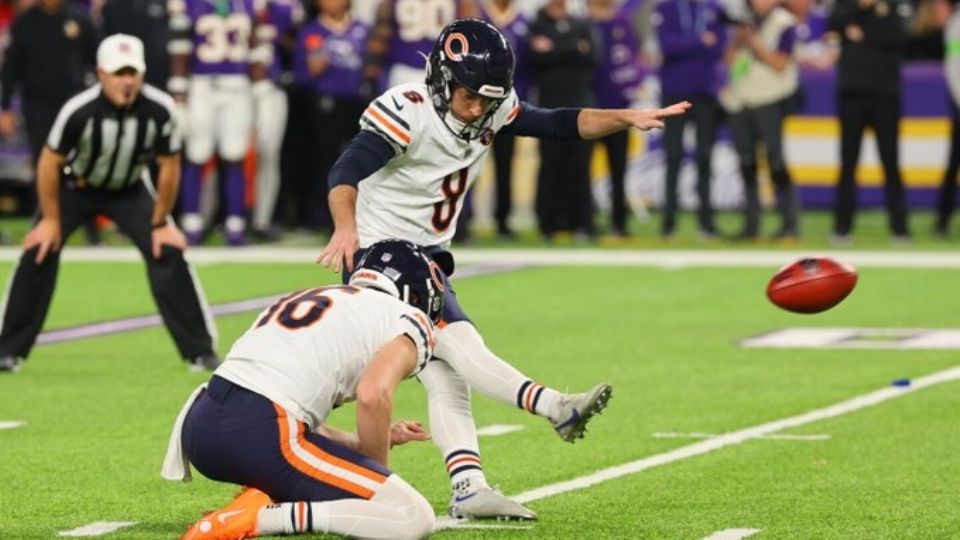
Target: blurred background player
(210, 41)
(328, 62)
(92, 164)
(403, 33)
(276, 21)
(260, 420)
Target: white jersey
(308, 350)
(418, 194)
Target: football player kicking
(259, 421)
(404, 176)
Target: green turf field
(98, 411)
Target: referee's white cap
(121, 51)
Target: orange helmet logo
(456, 56)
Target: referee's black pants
(171, 280)
(857, 111)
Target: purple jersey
(514, 26)
(814, 28)
(415, 26)
(344, 49)
(689, 65)
(618, 71)
(220, 31)
(629, 8)
(276, 19)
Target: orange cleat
(232, 522)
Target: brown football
(811, 285)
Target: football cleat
(9, 364)
(204, 362)
(487, 503)
(578, 409)
(232, 522)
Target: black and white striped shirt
(107, 147)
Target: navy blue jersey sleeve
(365, 155)
(556, 124)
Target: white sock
(451, 422)
(463, 348)
(395, 511)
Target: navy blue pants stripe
(232, 435)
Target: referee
(94, 162)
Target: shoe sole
(594, 408)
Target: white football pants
(220, 109)
(271, 107)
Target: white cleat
(487, 503)
(578, 409)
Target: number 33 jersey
(216, 33)
(308, 350)
(418, 194)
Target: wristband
(160, 225)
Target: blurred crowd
(271, 91)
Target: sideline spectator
(328, 60)
(692, 39)
(868, 86)
(763, 75)
(615, 82)
(562, 55)
(947, 200)
(515, 27)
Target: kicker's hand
(341, 247)
(404, 431)
(45, 234)
(647, 119)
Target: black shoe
(266, 236)
(204, 362)
(902, 239)
(9, 364)
(786, 234)
(746, 236)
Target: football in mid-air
(811, 284)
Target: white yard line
(98, 528)
(11, 424)
(737, 437)
(673, 259)
(498, 429)
(732, 534)
(699, 435)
